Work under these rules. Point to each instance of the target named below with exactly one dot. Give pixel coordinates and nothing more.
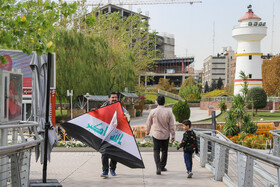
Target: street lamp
(70, 94)
(87, 96)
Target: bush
(181, 111)
(214, 93)
(257, 97)
(194, 101)
(190, 92)
(230, 128)
(138, 113)
(223, 106)
(248, 126)
(147, 101)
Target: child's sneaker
(113, 173)
(104, 174)
(190, 175)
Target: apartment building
(215, 67)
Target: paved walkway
(83, 169)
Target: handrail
(273, 132)
(174, 96)
(21, 125)
(5, 150)
(221, 134)
(255, 154)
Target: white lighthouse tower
(249, 34)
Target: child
(189, 144)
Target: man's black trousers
(160, 145)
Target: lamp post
(70, 94)
(87, 96)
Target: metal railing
(276, 142)
(234, 164)
(229, 99)
(168, 94)
(276, 99)
(17, 140)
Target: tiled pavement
(84, 168)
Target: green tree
(165, 85)
(245, 88)
(220, 83)
(181, 111)
(213, 85)
(238, 108)
(223, 106)
(271, 75)
(84, 65)
(30, 25)
(230, 128)
(248, 125)
(124, 34)
(206, 87)
(190, 92)
(189, 82)
(257, 98)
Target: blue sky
(192, 25)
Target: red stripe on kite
(106, 114)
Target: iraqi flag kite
(107, 131)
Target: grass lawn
(153, 97)
(266, 116)
(58, 113)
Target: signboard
(19, 60)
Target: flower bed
(257, 141)
(148, 142)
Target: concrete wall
(205, 104)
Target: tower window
(250, 76)
(250, 57)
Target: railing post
(278, 174)
(219, 162)
(15, 170)
(203, 151)
(4, 160)
(245, 170)
(226, 160)
(276, 146)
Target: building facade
(249, 34)
(177, 70)
(166, 45)
(215, 67)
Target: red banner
(52, 106)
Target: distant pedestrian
(189, 145)
(161, 121)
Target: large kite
(107, 131)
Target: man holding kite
(107, 130)
(112, 98)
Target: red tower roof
(249, 15)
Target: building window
(250, 57)
(250, 76)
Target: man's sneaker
(158, 171)
(190, 175)
(163, 169)
(113, 173)
(104, 174)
